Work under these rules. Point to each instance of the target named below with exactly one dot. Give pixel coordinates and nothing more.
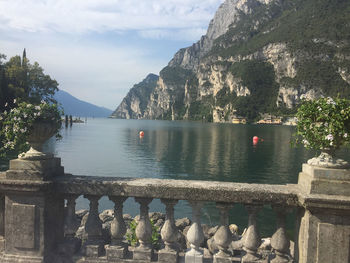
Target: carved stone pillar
(195, 235)
(169, 234)
(93, 229)
(252, 238)
(223, 236)
(118, 247)
(34, 213)
(323, 230)
(279, 241)
(144, 231)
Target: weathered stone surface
(24, 219)
(167, 256)
(324, 226)
(34, 169)
(178, 189)
(317, 180)
(181, 223)
(114, 253)
(94, 250)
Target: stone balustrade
(35, 225)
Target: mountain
(133, 106)
(75, 107)
(257, 57)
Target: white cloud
(100, 74)
(98, 49)
(82, 16)
(184, 34)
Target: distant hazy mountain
(75, 107)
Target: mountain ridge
(258, 56)
(79, 108)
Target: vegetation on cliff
(264, 62)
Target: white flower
(38, 114)
(329, 137)
(345, 135)
(6, 104)
(14, 101)
(319, 108)
(331, 143)
(302, 96)
(29, 105)
(25, 115)
(306, 143)
(37, 108)
(330, 101)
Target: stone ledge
(178, 189)
(7, 185)
(317, 180)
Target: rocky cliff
(258, 56)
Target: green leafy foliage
(17, 123)
(259, 78)
(202, 110)
(323, 123)
(296, 23)
(19, 79)
(225, 96)
(175, 75)
(133, 240)
(316, 31)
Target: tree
(27, 82)
(3, 84)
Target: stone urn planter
(39, 134)
(327, 159)
(324, 125)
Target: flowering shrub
(324, 123)
(17, 123)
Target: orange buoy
(141, 134)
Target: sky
(98, 49)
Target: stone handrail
(178, 189)
(35, 225)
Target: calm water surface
(182, 150)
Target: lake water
(182, 150)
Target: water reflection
(183, 150)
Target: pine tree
(24, 58)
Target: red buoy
(141, 134)
(255, 140)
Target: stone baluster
(195, 235)
(71, 223)
(93, 228)
(279, 241)
(252, 239)
(2, 223)
(223, 236)
(143, 231)
(118, 247)
(169, 234)
(71, 244)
